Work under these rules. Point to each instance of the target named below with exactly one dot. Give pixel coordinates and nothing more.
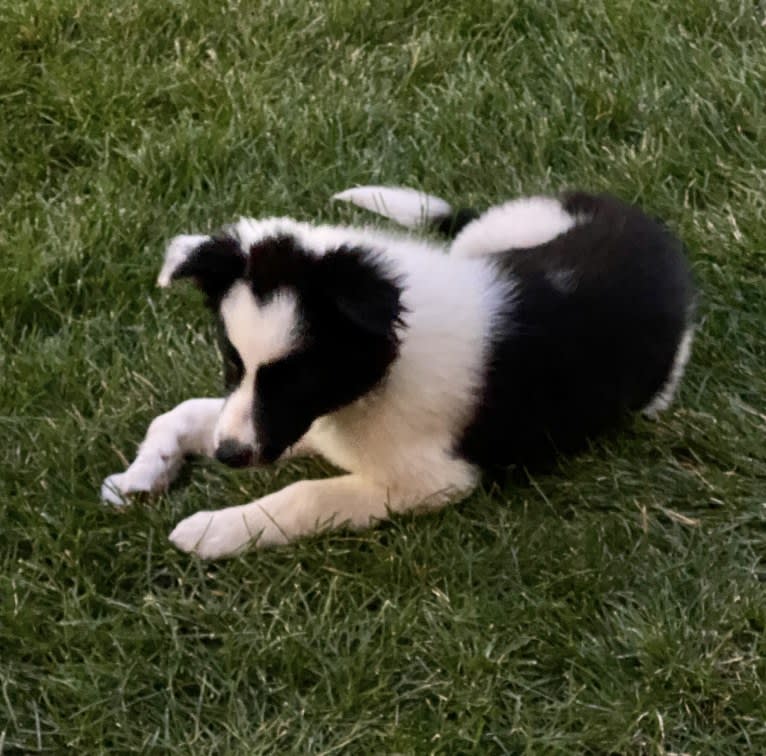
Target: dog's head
(302, 332)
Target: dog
(415, 365)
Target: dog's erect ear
(407, 207)
(212, 262)
(362, 291)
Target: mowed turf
(614, 605)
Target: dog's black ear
(212, 262)
(364, 293)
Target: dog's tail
(410, 208)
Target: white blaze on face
(261, 334)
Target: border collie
(414, 365)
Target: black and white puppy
(412, 365)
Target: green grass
(617, 605)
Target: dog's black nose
(234, 454)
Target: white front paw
(225, 533)
(206, 535)
(148, 476)
(112, 491)
(118, 488)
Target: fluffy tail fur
(410, 208)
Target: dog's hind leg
(662, 400)
(186, 429)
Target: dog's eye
(233, 371)
(233, 367)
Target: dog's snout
(234, 454)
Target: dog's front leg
(302, 508)
(186, 429)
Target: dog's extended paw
(111, 490)
(145, 476)
(118, 489)
(225, 533)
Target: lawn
(614, 605)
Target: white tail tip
(407, 207)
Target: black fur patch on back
(589, 333)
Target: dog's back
(598, 319)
